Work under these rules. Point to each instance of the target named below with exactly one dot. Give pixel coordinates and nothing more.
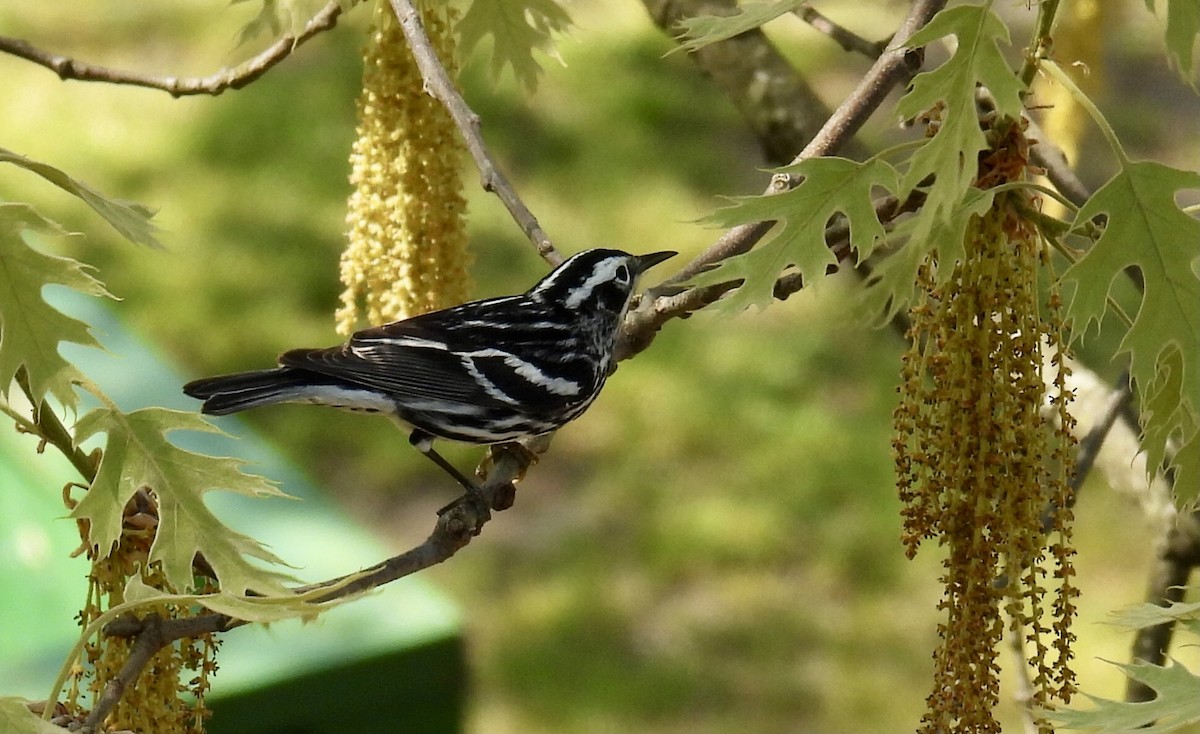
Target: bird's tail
(233, 393)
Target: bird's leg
(423, 442)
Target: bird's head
(596, 281)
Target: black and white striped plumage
(484, 372)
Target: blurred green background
(714, 547)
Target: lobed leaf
(1146, 229)
(132, 220)
(517, 28)
(30, 328)
(828, 187)
(1177, 704)
(138, 454)
(1183, 25)
(893, 281)
(951, 155)
(704, 30)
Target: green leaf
(517, 28)
(30, 328)
(893, 281)
(130, 219)
(138, 454)
(16, 718)
(276, 18)
(1177, 704)
(951, 155)
(1140, 616)
(1166, 418)
(703, 30)
(1146, 229)
(828, 187)
(248, 607)
(1183, 25)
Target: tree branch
(894, 65)
(236, 77)
(50, 429)
(1051, 159)
(847, 39)
(780, 107)
(441, 86)
(454, 529)
(148, 642)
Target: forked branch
(236, 77)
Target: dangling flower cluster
(982, 465)
(407, 250)
(163, 699)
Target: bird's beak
(642, 263)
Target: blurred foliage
(715, 545)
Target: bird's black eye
(622, 274)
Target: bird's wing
(427, 357)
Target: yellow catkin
(980, 462)
(407, 250)
(162, 699)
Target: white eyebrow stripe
(602, 273)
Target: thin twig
(440, 85)
(847, 39)
(895, 64)
(50, 429)
(1050, 158)
(1039, 47)
(148, 642)
(780, 107)
(453, 531)
(665, 302)
(236, 77)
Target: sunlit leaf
(247, 607)
(1145, 228)
(703, 30)
(894, 279)
(1177, 704)
(518, 28)
(138, 454)
(30, 328)
(951, 155)
(130, 219)
(828, 187)
(1140, 616)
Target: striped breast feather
(534, 387)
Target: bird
(486, 372)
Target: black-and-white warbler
(485, 372)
